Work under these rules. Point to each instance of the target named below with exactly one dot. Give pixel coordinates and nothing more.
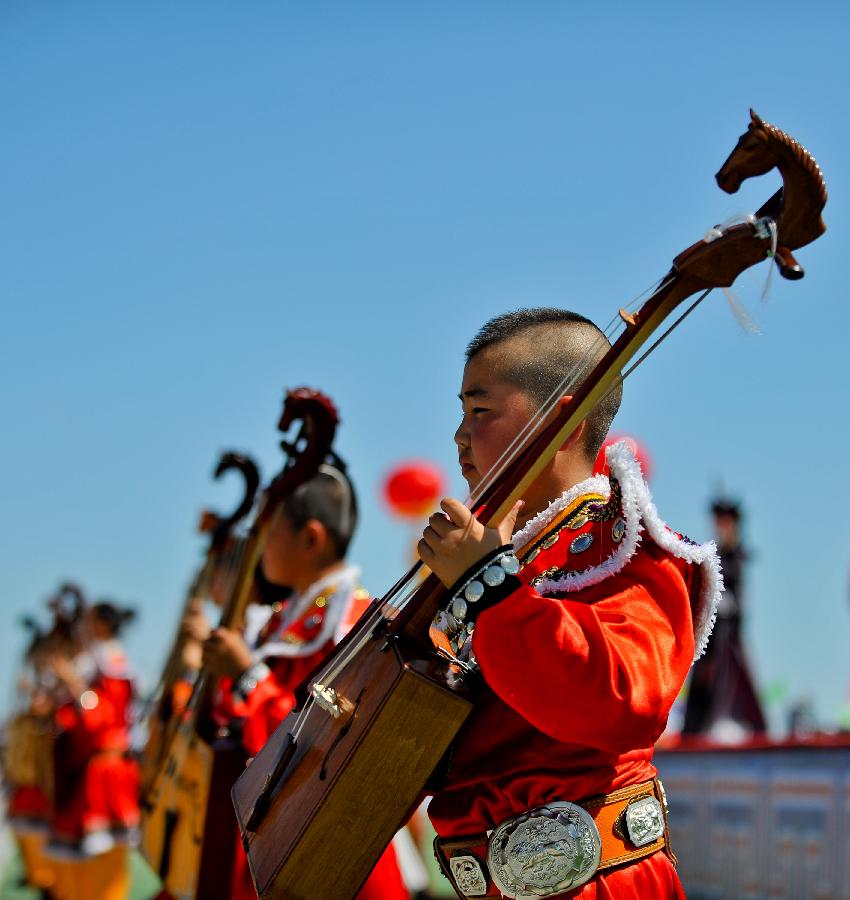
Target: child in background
(304, 563)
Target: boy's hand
(194, 626)
(455, 540)
(67, 673)
(226, 653)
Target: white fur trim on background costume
(640, 513)
(111, 660)
(344, 582)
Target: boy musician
(304, 561)
(583, 613)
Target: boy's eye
(479, 409)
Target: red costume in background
(26, 770)
(582, 661)
(299, 635)
(96, 803)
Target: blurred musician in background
(722, 700)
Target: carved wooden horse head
(797, 206)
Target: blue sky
(205, 203)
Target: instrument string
(508, 455)
(520, 440)
(409, 584)
(666, 334)
(525, 435)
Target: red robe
(582, 662)
(293, 642)
(96, 802)
(28, 809)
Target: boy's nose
(461, 436)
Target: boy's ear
(315, 537)
(576, 437)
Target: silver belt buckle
(468, 876)
(545, 851)
(644, 820)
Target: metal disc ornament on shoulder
(546, 851)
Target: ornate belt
(557, 847)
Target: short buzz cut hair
(551, 345)
(329, 498)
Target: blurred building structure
(766, 820)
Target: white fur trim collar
(596, 484)
(640, 513)
(344, 582)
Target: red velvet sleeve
(265, 708)
(600, 667)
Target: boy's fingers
(425, 552)
(440, 524)
(456, 511)
(430, 537)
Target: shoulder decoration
(604, 521)
(307, 622)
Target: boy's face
(494, 411)
(96, 628)
(282, 556)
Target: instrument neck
(233, 613)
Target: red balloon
(639, 451)
(412, 489)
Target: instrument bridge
(327, 699)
